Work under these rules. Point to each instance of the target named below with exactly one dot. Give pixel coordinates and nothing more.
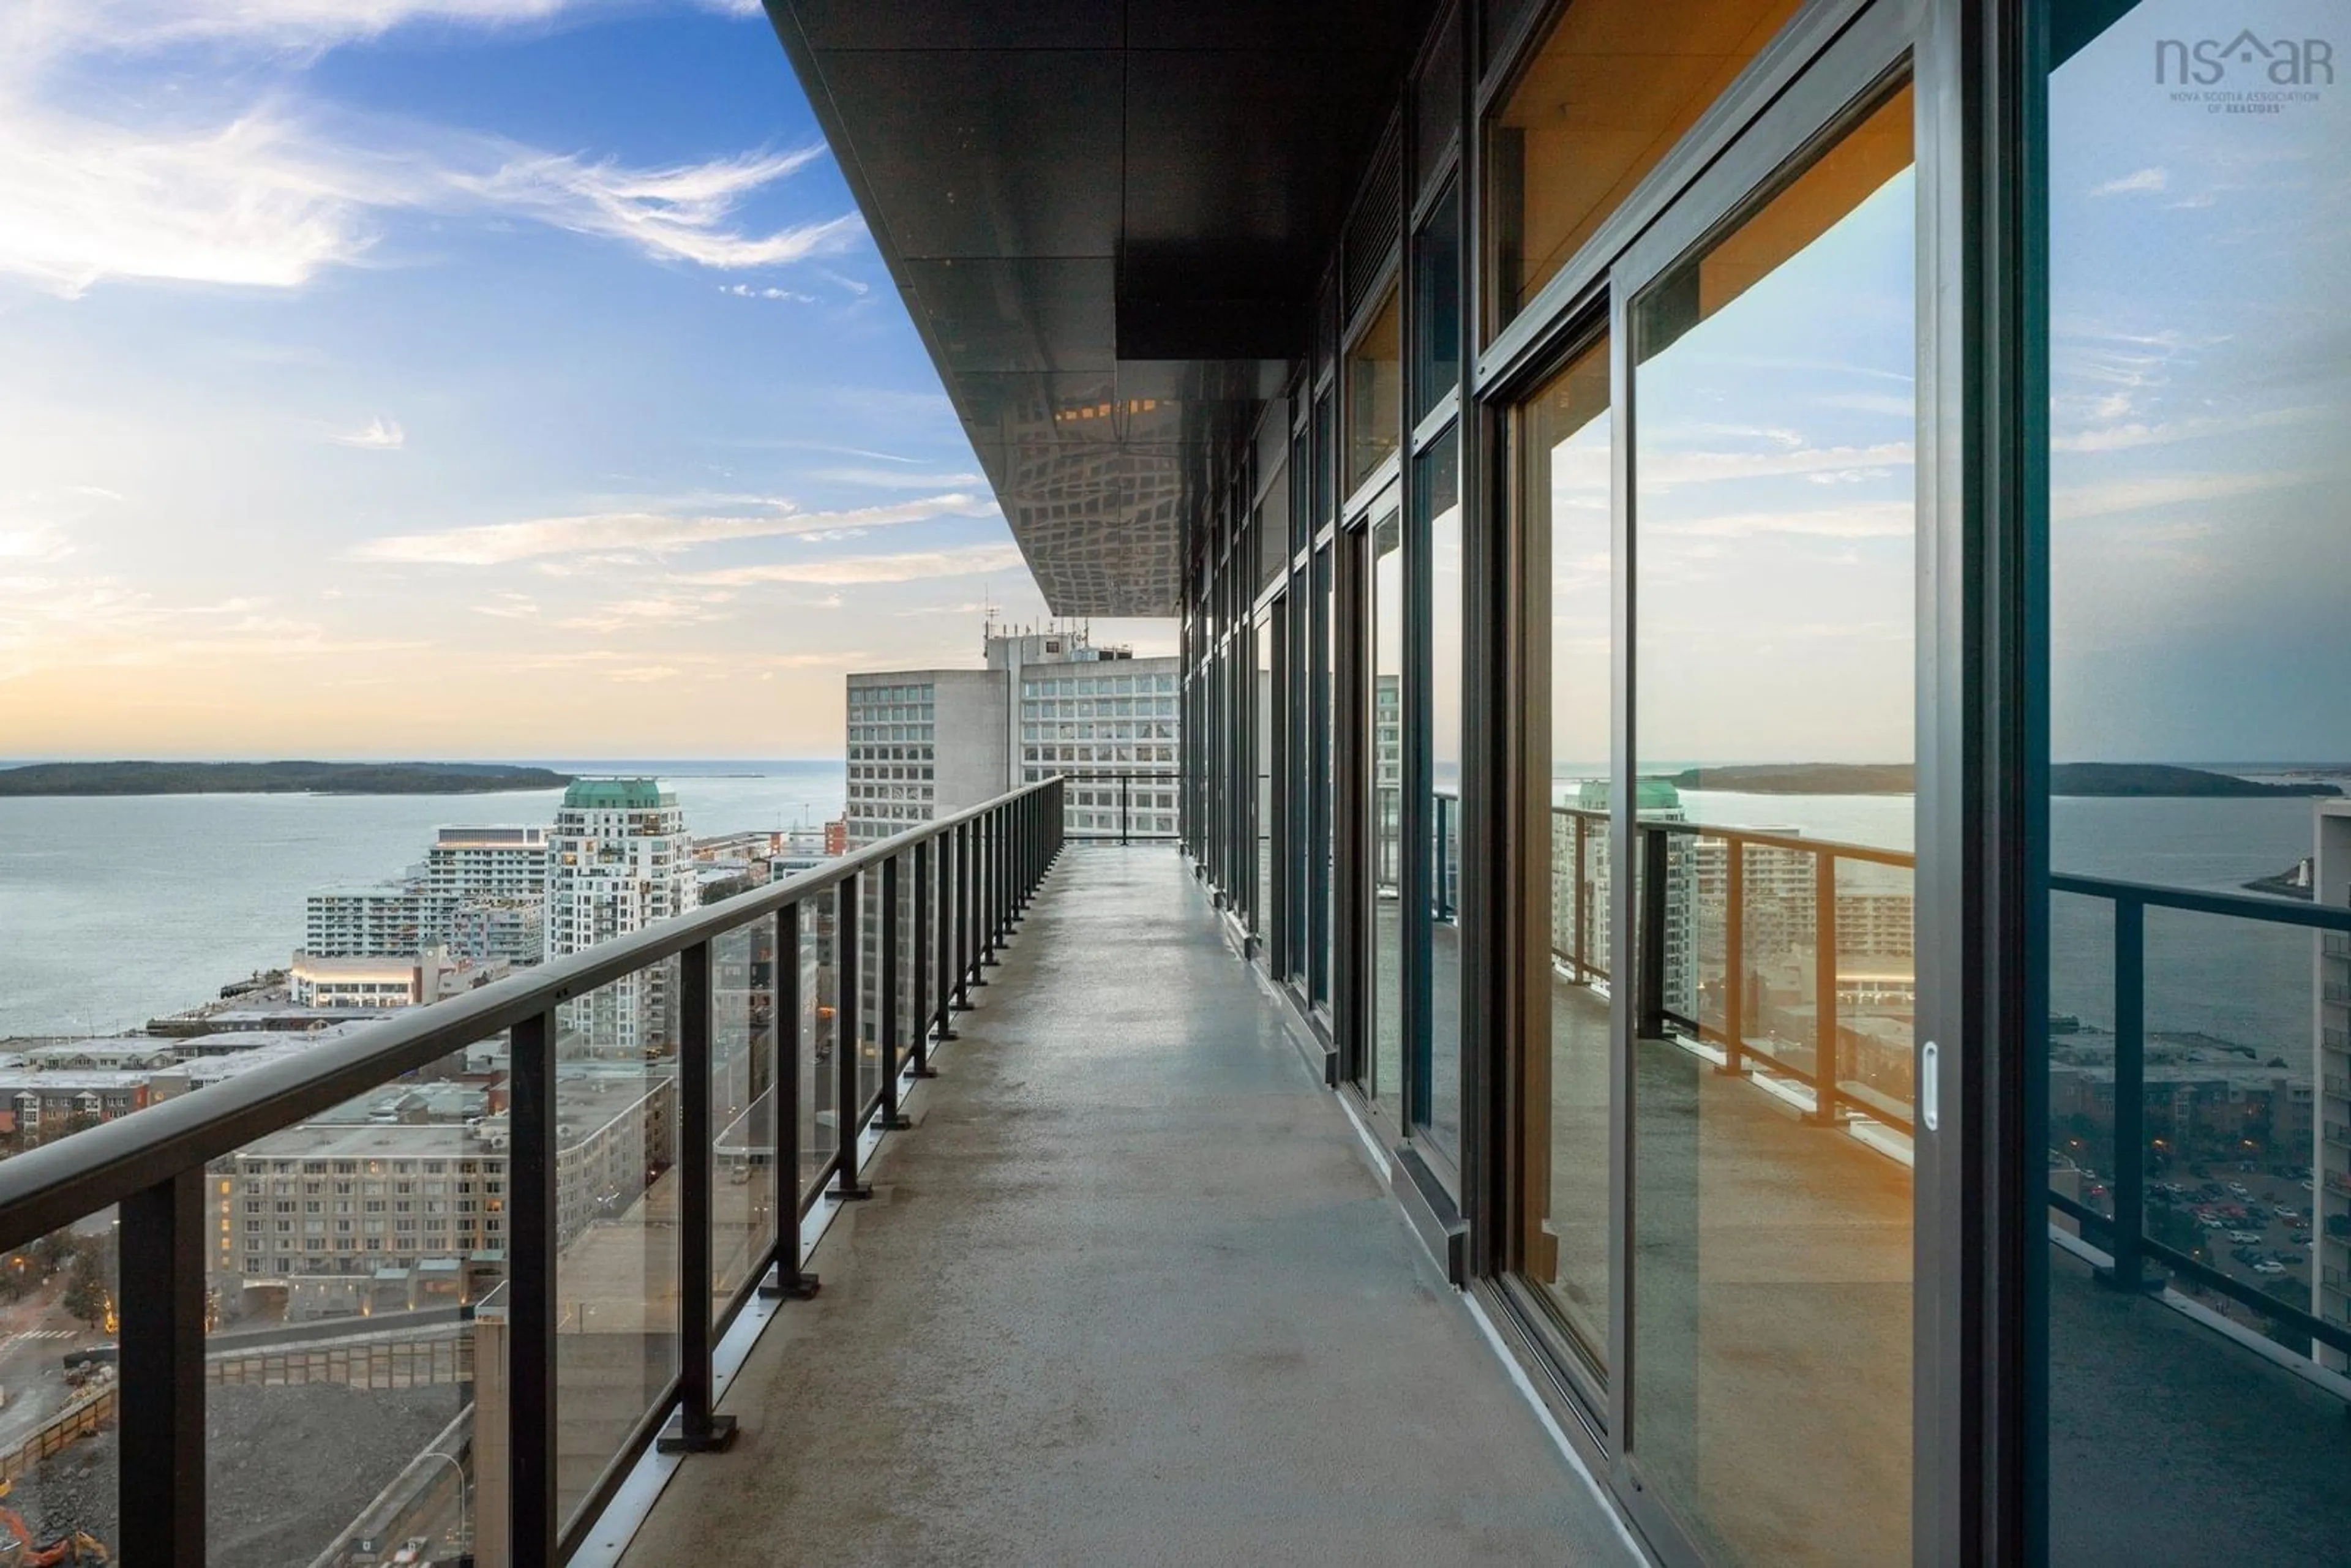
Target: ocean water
(114, 911)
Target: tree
(84, 1298)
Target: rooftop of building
(616, 795)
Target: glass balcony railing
(437, 1285)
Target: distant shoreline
(2099, 780)
(131, 778)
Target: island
(2101, 780)
(275, 778)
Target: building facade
(925, 744)
(620, 859)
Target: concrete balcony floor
(1129, 1292)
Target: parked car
(2266, 1267)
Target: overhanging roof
(1105, 217)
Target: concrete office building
(924, 744)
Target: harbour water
(114, 910)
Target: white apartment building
(486, 863)
(620, 859)
(389, 920)
(504, 867)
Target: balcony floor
(1129, 1292)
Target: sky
(2200, 351)
(455, 378)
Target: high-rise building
(924, 744)
(486, 863)
(620, 859)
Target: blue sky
(454, 377)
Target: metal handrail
(972, 877)
(1172, 781)
(58, 1183)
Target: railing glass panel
(617, 1212)
(59, 1361)
(345, 1369)
(742, 1155)
(820, 1122)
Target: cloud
(745, 291)
(914, 566)
(378, 435)
(663, 612)
(1666, 469)
(50, 27)
(2164, 490)
(682, 211)
(509, 607)
(2145, 182)
(273, 196)
(1883, 519)
(649, 533)
(894, 479)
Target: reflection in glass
(1374, 394)
(616, 1271)
(818, 1119)
(1261, 786)
(387, 1214)
(1775, 517)
(1384, 756)
(2199, 392)
(1562, 440)
(1325, 783)
(1437, 1100)
(1603, 100)
(742, 1107)
(1437, 298)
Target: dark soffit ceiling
(1105, 217)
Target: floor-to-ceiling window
(1436, 1111)
(2197, 1058)
(1774, 708)
(1383, 763)
(1559, 442)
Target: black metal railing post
(532, 1440)
(848, 1051)
(1125, 794)
(788, 1279)
(889, 1118)
(920, 950)
(160, 1408)
(1650, 973)
(695, 1429)
(2131, 1095)
(1825, 1095)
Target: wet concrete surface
(1128, 1292)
